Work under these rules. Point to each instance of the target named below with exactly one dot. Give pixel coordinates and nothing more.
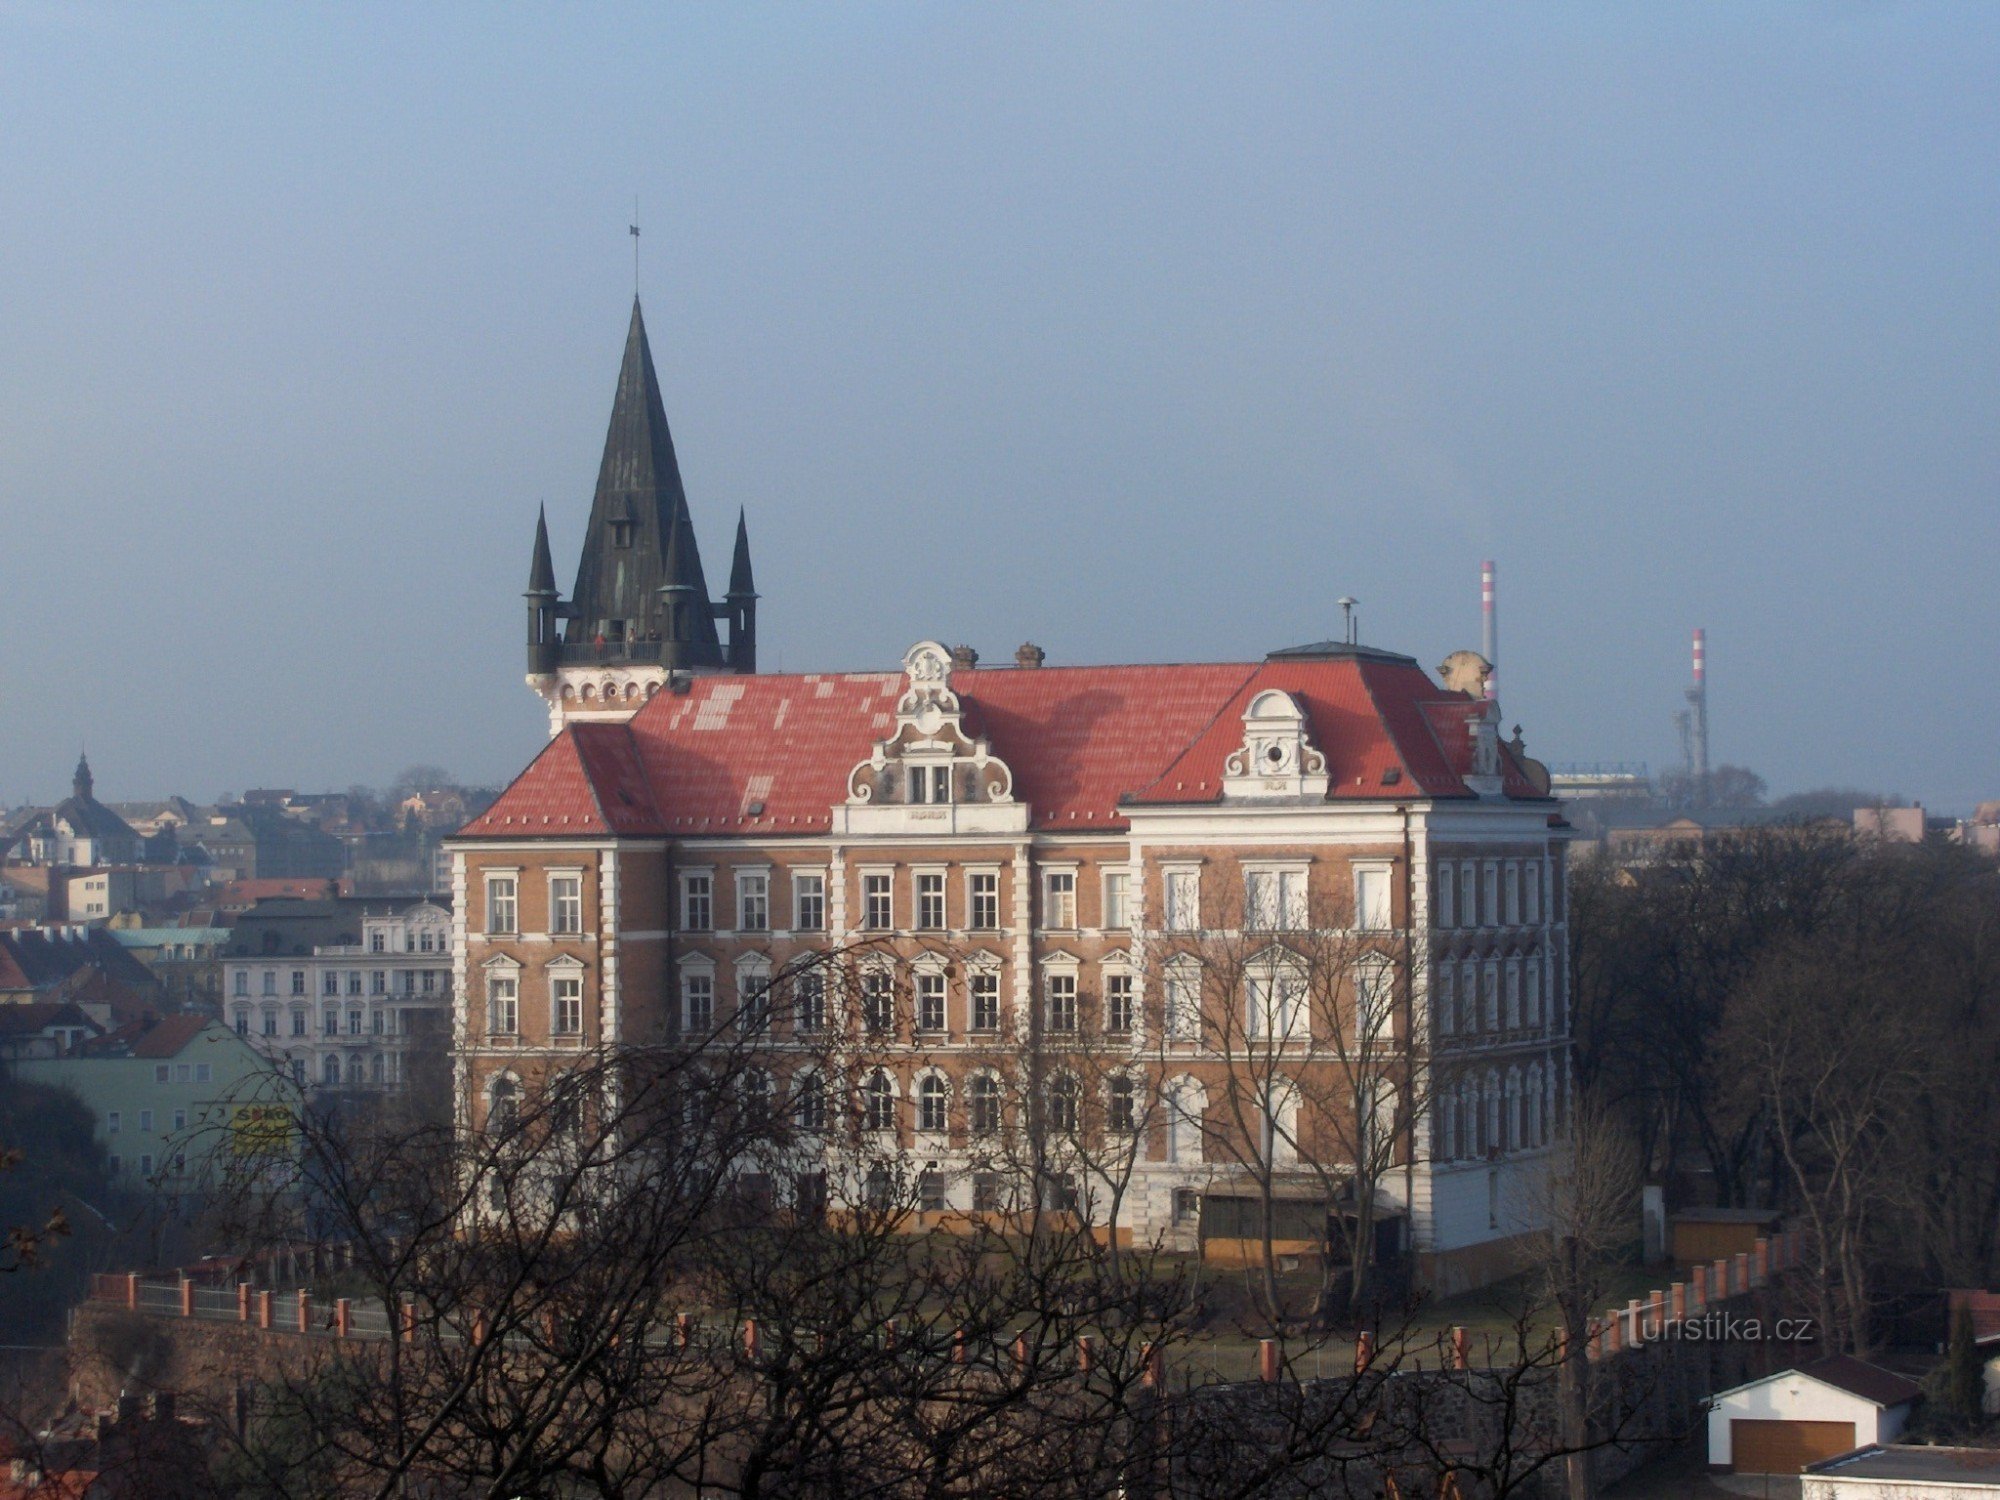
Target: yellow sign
(261, 1129)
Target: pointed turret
(543, 603)
(82, 782)
(639, 512)
(740, 603)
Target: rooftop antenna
(634, 227)
(1347, 618)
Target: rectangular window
(930, 902)
(878, 1002)
(1187, 1206)
(565, 904)
(330, 984)
(242, 984)
(930, 783)
(985, 902)
(203, 1072)
(1533, 874)
(180, 1119)
(930, 1001)
(986, 1192)
(298, 1023)
(270, 1023)
(1119, 1007)
(298, 981)
(1374, 1003)
(160, 1072)
(332, 1027)
(809, 1002)
(753, 903)
(354, 1023)
(146, 1165)
(1532, 983)
(1489, 990)
(146, 1120)
(1489, 896)
(503, 1006)
(1183, 900)
(697, 903)
(697, 1004)
(753, 1000)
(1511, 886)
(878, 903)
(1276, 899)
(1446, 1000)
(809, 902)
(243, 1023)
(1061, 994)
(500, 904)
(1447, 891)
(353, 981)
(1059, 899)
(1117, 898)
(430, 981)
(378, 942)
(930, 1192)
(270, 982)
(984, 987)
(1513, 994)
(1275, 1006)
(378, 983)
(113, 1122)
(566, 1003)
(1468, 896)
(1183, 1001)
(1371, 899)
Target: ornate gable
(930, 775)
(1277, 758)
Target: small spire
(82, 782)
(542, 571)
(741, 585)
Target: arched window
(1121, 1104)
(984, 1092)
(759, 1092)
(932, 1096)
(354, 1069)
(1187, 1105)
(375, 1066)
(1062, 1102)
(879, 1101)
(503, 1106)
(809, 1103)
(1513, 1108)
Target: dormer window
(930, 783)
(621, 533)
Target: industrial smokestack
(1489, 633)
(1700, 702)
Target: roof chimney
(1030, 655)
(963, 658)
(1489, 633)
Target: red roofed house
(1049, 867)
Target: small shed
(1893, 1473)
(1701, 1235)
(1784, 1422)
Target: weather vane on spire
(634, 227)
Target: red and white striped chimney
(1489, 635)
(1700, 658)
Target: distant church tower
(640, 613)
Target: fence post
(1154, 1363)
(264, 1309)
(1742, 1270)
(343, 1317)
(958, 1347)
(751, 1342)
(1760, 1263)
(1267, 1361)
(409, 1316)
(1461, 1347)
(1698, 1299)
(479, 1328)
(1635, 1320)
(889, 1334)
(1364, 1351)
(242, 1301)
(132, 1291)
(1658, 1314)
(1021, 1349)
(187, 1298)
(1083, 1350)
(305, 1311)
(683, 1330)
(1613, 1324)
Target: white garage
(1783, 1422)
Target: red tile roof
(167, 1037)
(772, 754)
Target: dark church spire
(740, 584)
(543, 603)
(638, 517)
(740, 603)
(82, 783)
(542, 570)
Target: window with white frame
(878, 902)
(1181, 908)
(753, 901)
(565, 904)
(1059, 899)
(1276, 1009)
(1059, 990)
(502, 904)
(879, 1101)
(1371, 897)
(809, 1102)
(930, 1000)
(753, 997)
(933, 1103)
(1121, 1012)
(930, 900)
(1275, 900)
(566, 1005)
(809, 1002)
(983, 1104)
(983, 897)
(984, 987)
(809, 902)
(1181, 992)
(1447, 897)
(930, 783)
(298, 981)
(1117, 899)
(878, 1001)
(1121, 1103)
(240, 983)
(1374, 1001)
(697, 1002)
(1061, 1097)
(330, 982)
(697, 901)
(503, 1006)
(1446, 999)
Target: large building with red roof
(1240, 946)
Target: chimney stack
(1489, 629)
(963, 658)
(1029, 655)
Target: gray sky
(1145, 333)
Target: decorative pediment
(930, 775)
(1277, 757)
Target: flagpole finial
(634, 229)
